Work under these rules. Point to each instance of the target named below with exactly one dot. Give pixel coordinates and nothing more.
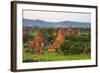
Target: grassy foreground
(53, 57)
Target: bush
(27, 37)
(72, 48)
(65, 47)
(76, 49)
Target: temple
(38, 43)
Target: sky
(52, 16)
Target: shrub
(72, 48)
(27, 37)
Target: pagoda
(59, 39)
(38, 42)
(69, 30)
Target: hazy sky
(57, 16)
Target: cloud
(52, 16)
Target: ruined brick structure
(38, 43)
(59, 39)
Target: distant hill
(45, 24)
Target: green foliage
(27, 37)
(49, 38)
(74, 44)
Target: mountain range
(45, 24)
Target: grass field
(53, 57)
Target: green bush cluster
(75, 44)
